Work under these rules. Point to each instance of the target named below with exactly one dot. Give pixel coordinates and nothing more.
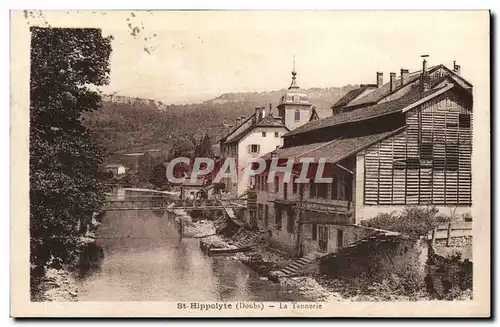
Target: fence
(451, 230)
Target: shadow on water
(139, 257)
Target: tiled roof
(364, 113)
(385, 89)
(332, 151)
(349, 96)
(235, 128)
(268, 121)
(294, 152)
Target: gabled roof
(369, 112)
(236, 128)
(383, 91)
(268, 121)
(331, 151)
(351, 95)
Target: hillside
(132, 124)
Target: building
(261, 132)
(197, 189)
(116, 169)
(407, 142)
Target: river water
(145, 260)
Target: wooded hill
(142, 125)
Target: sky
(192, 56)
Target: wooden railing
(163, 203)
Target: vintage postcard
(250, 163)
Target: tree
(182, 147)
(145, 168)
(158, 176)
(204, 148)
(64, 186)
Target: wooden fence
(451, 230)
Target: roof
(332, 151)
(368, 112)
(268, 121)
(351, 95)
(199, 182)
(236, 127)
(385, 89)
(293, 94)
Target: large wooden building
(406, 142)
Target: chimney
(238, 121)
(393, 81)
(258, 114)
(424, 77)
(380, 79)
(456, 68)
(404, 76)
(271, 109)
(263, 112)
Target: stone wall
(379, 260)
(450, 268)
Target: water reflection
(145, 260)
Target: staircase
(248, 239)
(295, 267)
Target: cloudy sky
(180, 57)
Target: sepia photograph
(250, 163)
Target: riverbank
(58, 285)
(264, 259)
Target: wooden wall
(429, 162)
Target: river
(145, 260)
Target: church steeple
(294, 77)
(294, 107)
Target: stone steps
(294, 268)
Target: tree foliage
(413, 221)
(64, 190)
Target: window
(260, 211)
(340, 238)
(314, 232)
(464, 120)
(312, 188)
(278, 219)
(263, 134)
(254, 148)
(266, 215)
(294, 185)
(335, 188)
(297, 114)
(276, 184)
(285, 190)
(322, 190)
(342, 188)
(276, 134)
(290, 222)
(426, 151)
